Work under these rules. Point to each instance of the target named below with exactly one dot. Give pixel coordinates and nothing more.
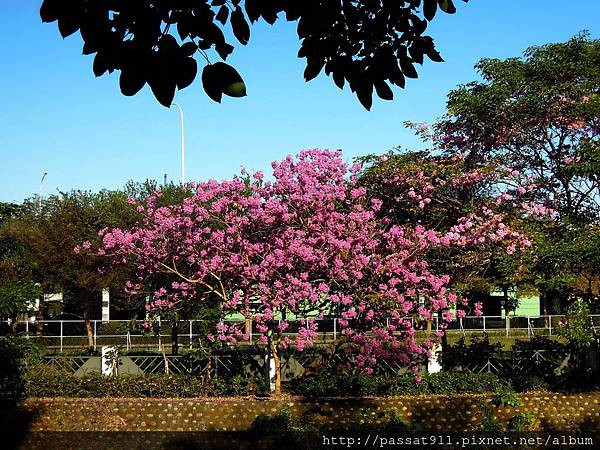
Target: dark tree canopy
(368, 44)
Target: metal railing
(70, 334)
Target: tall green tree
(18, 288)
(540, 115)
(49, 231)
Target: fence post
(27, 328)
(191, 331)
(334, 329)
(550, 324)
(95, 335)
(61, 336)
(484, 324)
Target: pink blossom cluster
(307, 243)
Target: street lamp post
(40, 191)
(182, 145)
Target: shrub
(52, 382)
(521, 422)
(18, 355)
(577, 327)
(506, 397)
(327, 385)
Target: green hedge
(50, 382)
(328, 385)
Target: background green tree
(540, 116)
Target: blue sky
(56, 117)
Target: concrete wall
(460, 413)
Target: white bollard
(270, 362)
(110, 361)
(434, 362)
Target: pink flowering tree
(308, 243)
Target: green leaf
(235, 89)
(447, 6)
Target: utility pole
(182, 145)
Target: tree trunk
(248, 324)
(89, 330)
(544, 307)
(174, 338)
(506, 308)
(277, 360)
(13, 324)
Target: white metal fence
(72, 334)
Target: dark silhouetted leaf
(230, 80)
(50, 10)
(429, 9)
(224, 50)
(68, 24)
(223, 14)
(210, 83)
(434, 55)
(416, 53)
(100, 64)
(189, 48)
(131, 81)
(252, 10)
(313, 69)
(187, 70)
(163, 89)
(364, 92)
(338, 78)
(240, 27)
(383, 90)
(407, 68)
(88, 48)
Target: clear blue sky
(56, 117)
